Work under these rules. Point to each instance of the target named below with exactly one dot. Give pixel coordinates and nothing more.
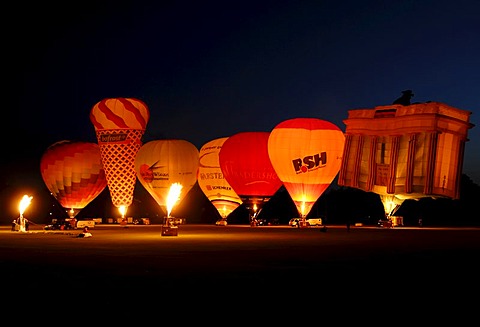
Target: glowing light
(255, 209)
(24, 203)
(173, 196)
(123, 210)
(303, 209)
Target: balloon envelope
(247, 168)
(119, 113)
(120, 124)
(161, 163)
(73, 173)
(306, 155)
(211, 180)
(405, 152)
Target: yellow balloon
(211, 180)
(160, 164)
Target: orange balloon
(73, 173)
(306, 153)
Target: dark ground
(221, 268)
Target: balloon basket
(169, 230)
(168, 227)
(302, 223)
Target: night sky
(210, 69)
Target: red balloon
(245, 163)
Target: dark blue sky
(209, 69)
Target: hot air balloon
(247, 168)
(73, 173)
(120, 124)
(403, 152)
(161, 164)
(212, 182)
(306, 154)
